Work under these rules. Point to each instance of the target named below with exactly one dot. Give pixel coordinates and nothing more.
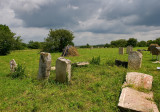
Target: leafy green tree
(157, 41)
(151, 42)
(132, 42)
(18, 45)
(119, 43)
(57, 40)
(6, 40)
(142, 44)
(34, 45)
(107, 45)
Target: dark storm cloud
(62, 13)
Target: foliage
(142, 44)
(132, 42)
(95, 60)
(119, 43)
(6, 40)
(85, 46)
(57, 40)
(18, 44)
(107, 45)
(34, 45)
(19, 72)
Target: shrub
(19, 72)
(95, 61)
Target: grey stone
(80, 64)
(13, 65)
(44, 65)
(133, 101)
(63, 70)
(53, 68)
(129, 49)
(121, 50)
(139, 80)
(135, 60)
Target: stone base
(135, 101)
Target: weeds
(95, 60)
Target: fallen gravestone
(135, 60)
(44, 65)
(13, 65)
(121, 63)
(121, 50)
(139, 80)
(63, 70)
(134, 101)
(81, 64)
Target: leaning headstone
(63, 70)
(121, 50)
(139, 80)
(44, 65)
(13, 65)
(135, 60)
(129, 49)
(134, 101)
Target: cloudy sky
(91, 21)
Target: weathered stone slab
(44, 65)
(80, 64)
(134, 101)
(63, 70)
(139, 80)
(129, 49)
(121, 50)
(135, 60)
(13, 65)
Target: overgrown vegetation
(95, 60)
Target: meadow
(93, 88)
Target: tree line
(56, 41)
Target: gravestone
(135, 60)
(139, 80)
(134, 101)
(121, 50)
(63, 70)
(44, 65)
(129, 49)
(13, 65)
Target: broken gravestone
(129, 49)
(63, 70)
(13, 65)
(134, 101)
(135, 60)
(81, 64)
(44, 65)
(121, 50)
(139, 80)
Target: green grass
(93, 88)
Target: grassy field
(93, 88)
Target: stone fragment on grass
(53, 68)
(121, 50)
(13, 65)
(139, 80)
(134, 60)
(63, 70)
(134, 101)
(81, 64)
(44, 65)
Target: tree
(142, 44)
(57, 40)
(119, 43)
(18, 45)
(157, 41)
(150, 42)
(6, 40)
(34, 45)
(132, 42)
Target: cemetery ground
(92, 88)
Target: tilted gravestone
(63, 70)
(13, 65)
(129, 49)
(121, 50)
(134, 60)
(44, 65)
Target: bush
(19, 72)
(95, 61)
